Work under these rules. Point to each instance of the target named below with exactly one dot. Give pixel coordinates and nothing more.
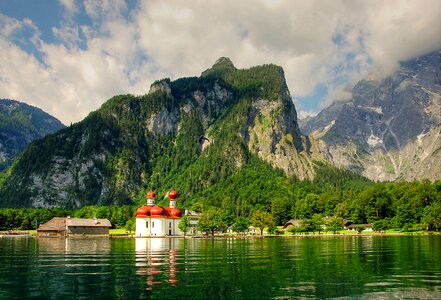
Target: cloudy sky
(69, 56)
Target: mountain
(20, 124)
(190, 134)
(389, 129)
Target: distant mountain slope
(371, 132)
(20, 124)
(189, 134)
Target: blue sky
(70, 56)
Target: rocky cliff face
(20, 124)
(188, 134)
(373, 132)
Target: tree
(316, 223)
(184, 224)
(432, 216)
(241, 225)
(335, 224)
(380, 225)
(305, 226)
(307, 206)
(360, 228)
(130, 225)
(211, 221)
(293, 229)
(25, 225)
(272, 229)
(280, 208)
(261, 219)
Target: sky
(69, 56)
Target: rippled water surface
(270, 268)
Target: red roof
(175, 213)
(158, 212)
(172, 195)
(150, 195)
(143, 211)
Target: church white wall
(141, 229)
(157, 227)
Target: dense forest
(406, 206)
(104, 165)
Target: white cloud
(336, 94)
(70, 6)
(317, 42)
(303, 114)
(104, 10)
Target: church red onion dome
(143, 211)
(175, 213)
(150, 195)
(172, 195)
(156, 211)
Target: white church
(154, 220)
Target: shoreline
(13, 234)
(341, 235)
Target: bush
(360, 228)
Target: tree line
(402, 205)
(31, 218)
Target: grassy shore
(389, 232)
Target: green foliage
(118, 153)
(263, 81)
(184, 224)
(262, 219)
(130, 225)
(211, 221)
(293, 229)
(316, 223)
(27, 218)
(334, 224)
(432, 216)
(360, 228)
(330, 177)
(20, 124)
(381, 225)
(272, 229)
(241, 225)
(117, 215)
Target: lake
(385, 267)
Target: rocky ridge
(380, 130)
(188, 134)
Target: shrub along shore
(316, 207)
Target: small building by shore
(155, 220)
(292, 223)
(60, 226)
(353, 227)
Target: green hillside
(20, 124)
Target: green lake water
(382, 267)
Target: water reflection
(156, 259)
(88, 246)
(205, 268)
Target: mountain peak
(224, 62)
(222, 65)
